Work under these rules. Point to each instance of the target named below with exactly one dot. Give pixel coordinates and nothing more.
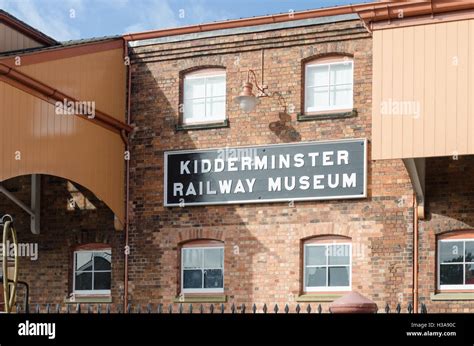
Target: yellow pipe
(9, 294)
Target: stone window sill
(327, 115)
(203, 126)
(195, 298)
(89, 299)
(319, 297)
(452, 296)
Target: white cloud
(151, 15)
(53, 20)
(124, 16)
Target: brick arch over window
(328, 57)
(326, 237)
(194, 69)
(325, 229)
(456, 234)
(200, 234)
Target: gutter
(51, 95)
(368, 13)
(238, 23)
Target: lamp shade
(247, 103)
(247, 100)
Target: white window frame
(327, 288)
(315, 109)
(202, 290)
(438, 266)
(91, 292)
(204, 74)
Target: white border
(165, 186)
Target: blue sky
(74, 19)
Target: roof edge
(368, 12)
(238, 23)
(43, 54)
(26, 29)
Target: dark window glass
(469, 251)
(102, 281)
(102, 261)
(192, 278)
(213, 278)
(83, 281)
(451, 274)
(469, 274)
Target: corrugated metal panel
(11, 40)
(34, 139)
(98, 77)
(423, 84)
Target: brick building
(330, 79)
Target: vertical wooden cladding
(33, 139)
(11, 39)
(98, 77)
(431, 67)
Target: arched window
(327, 264)
(202, 267)
(204, 96)
(456, 260)
(92, 269)
(329, 84)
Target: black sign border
(276, 200)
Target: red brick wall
(62, 227)
(267, 236)
(449, 193)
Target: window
(204, 96)
(456, 263)
(202, 269)
(329, 85)
(92, 271)
(327, 266)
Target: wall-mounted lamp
(247, 99)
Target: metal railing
(182, 308)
